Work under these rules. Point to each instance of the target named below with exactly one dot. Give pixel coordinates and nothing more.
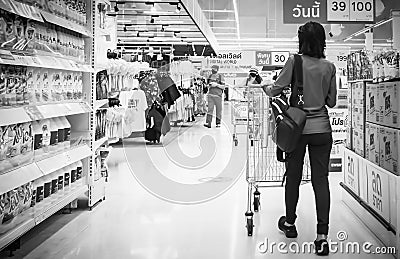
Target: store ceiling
(243, 24)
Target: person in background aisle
(216, 86)
(319, 78)
(254, 78)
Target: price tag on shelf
(36, 61)
(33, 113)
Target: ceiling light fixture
(235, 8)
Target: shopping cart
(240, 111)
(262, 167)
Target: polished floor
(137, 221)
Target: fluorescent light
(367, 29)
(235, 8)
(219, 11)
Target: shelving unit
(371, 191)
(80, 115)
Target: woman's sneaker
(321, 247)
(290, 231)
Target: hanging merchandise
(385, 65)
(200, 96)
(136, 108)
(167, 87)
(102, 85)
(149, 84)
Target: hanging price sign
(350, 11)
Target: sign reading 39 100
(351, 11)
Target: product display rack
(371, 191)
(80, 115)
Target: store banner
(232, 63)
(338, 118)
(271, 58)
(328, 11)
(302, 11)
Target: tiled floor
(134, 223)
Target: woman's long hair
(312, 40)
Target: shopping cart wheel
(249, 223)
(256, 202)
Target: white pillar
(396, 29)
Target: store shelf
(37, 14)
(14, 115)
(54, 19)
(387, 81)
(43, 60)
(100, 103)
(359, 80)
(21, 9)
(98, 143)
(60, 160)
(18, 177)
(67, 198)
(15, 228)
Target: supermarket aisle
(132, 223)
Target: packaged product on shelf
(54, 182)
(391, 64)
(67, 132)
(37, 140)
(79, 170)
(372, 103)
(67, 178)
(25, 196)
(2, 206)
(390, 104)
(11, 94)
(56, 85)
(46, 91)
(77, 86)
(372, 142)
(73, 172)
(15, 138)
(358, 142)
(11, 205)
(33, 200)
(389, 149)
(27, 137)
(3, 85)
(47, 186)
(54, 145)
(38, 184)
(68, 81)
(38, 84)
(20, 84)
(60, 135)
(358, 117)
(30, 86)
(46, 135)
(61, 180)
(4, 144)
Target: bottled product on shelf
(359, 66)
(385, 65)
(32, 86)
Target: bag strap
(297, 82)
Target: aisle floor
(133, 223)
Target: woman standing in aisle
(319, 77)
